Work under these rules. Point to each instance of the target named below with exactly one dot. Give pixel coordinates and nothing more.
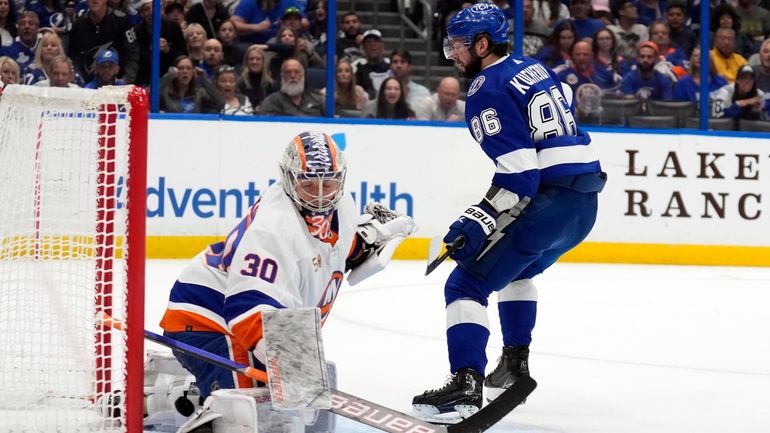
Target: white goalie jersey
(270, 260)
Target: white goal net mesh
(64, 172)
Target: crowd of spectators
(268, 57)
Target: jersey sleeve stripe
(245, 301)
(518, 161)
(197, 294)
(566, 155)
(188, 317)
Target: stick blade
(295, 362)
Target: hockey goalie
(291, 251)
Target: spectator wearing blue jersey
(541, 202)
(22, 50)
(106, 70)
(644, 82)
(256, 21)
(584, 71)
(60, 72)
(585, 26)
(688, 86)
(185, 89)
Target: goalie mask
(313, 172)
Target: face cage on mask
(328, 189)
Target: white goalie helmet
(313, 171)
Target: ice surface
(617, 348)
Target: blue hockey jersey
(521, 115)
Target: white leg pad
(249, 410)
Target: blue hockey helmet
(479, 18)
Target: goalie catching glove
(381, 230)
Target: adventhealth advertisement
(663, 189)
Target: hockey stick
(450, 248)
(364, 411)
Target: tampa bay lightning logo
(476, 85)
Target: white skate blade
(431, 414)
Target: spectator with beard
(293, 99)
(645, 82)
(185, 89)
(628, 31)
(741, 99)
(374, 67)
(255, 81)
(106, 70)
(349, 44)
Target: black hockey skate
(513, 363)
(459, 398)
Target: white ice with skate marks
(617, 348)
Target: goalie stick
(364, 411)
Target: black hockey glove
(474, 225)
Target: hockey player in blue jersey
(542, 202)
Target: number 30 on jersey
(548, 112)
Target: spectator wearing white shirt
(445, 104)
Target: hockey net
(72, 208)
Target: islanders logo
(476, 85)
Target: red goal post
(72, 246)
